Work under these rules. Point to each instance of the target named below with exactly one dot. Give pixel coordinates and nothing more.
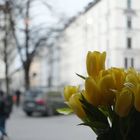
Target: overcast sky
(65, 8)
(70, 7)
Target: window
(129, 4)
(129, 23)
(132, 62)
(129, 43)
(128, 62)
(125, 62)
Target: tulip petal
(76, 105)
(107, 86)
(69, 91)
(102, 60)
(119, 77)
(92, 92)
(95, 63)
(123, 102)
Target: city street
(21, 127)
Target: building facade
(44, 71)
(104, 25)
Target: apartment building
(104, 25)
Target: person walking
(18, 93)
(5, 111)
(3, 116)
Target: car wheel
(29, 113)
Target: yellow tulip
(95, 63)
(103, 73)
(137, 98)
(69, 91)
(75, 104)
(119, 76)
(132, 78)
(92, 93)
(106, 85)
(124, 101)
(132, 71)
(139, 76)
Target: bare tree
(6, 42)
(28, 38)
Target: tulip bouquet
(110, 101)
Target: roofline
(90, 5)
(87, 8)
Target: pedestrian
(18, 93)
(5, 110)
(3, 115)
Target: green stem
(126, 132)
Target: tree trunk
(6, 51)
(6, 67)
(27, 38)
(6, 79)
(27, 76)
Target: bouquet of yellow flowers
(110, 102)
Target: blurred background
(43, 44)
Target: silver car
(43, 102)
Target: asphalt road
(21, 127)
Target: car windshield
(33, 93)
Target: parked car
(43, 102)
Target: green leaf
(93, 113)
(95, 119)
(81, 76)
(99, 125)
(65, 111)
(106, 136)
(108, 112)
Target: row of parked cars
(42, 101)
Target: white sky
(65, 8)
(70, 7)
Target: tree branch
(15, 36)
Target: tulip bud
(131, 78)
(123, 102)
(118, 75)
(92, 93)
(75, 104)
(106, 85)
(95, 63)
(69, 91)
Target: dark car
(43, 102)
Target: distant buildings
(38, 70)
(105, 25)
(44, 71)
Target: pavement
(21, 127)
